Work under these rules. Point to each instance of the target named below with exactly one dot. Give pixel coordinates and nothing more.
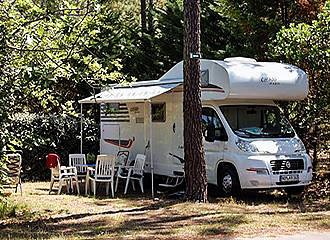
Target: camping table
(92, 165)
(86, 165)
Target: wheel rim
(227, 183)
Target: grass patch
(136, 216)
(9, 209)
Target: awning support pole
(150, 146)
(81, 128)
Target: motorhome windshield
(257, 121)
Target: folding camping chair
(13, 172)
(177, 178)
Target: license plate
(289, 178)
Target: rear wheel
(228, 182)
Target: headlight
(298, 145)
(246, 146)
(260, 171)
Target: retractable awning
(133, 93)
(142, 91)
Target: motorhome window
(158, 111)
(257, 121)
(205, 78)
(210, 120)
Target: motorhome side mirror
(210, 134)
(223, 138)
(223, 135)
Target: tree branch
(79, 35)
(35, 50)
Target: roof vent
(240, 59)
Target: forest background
(55, 52)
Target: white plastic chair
(76, 160)
(62, 174)
(103, 172)
(132, 172)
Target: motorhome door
(176, 155)
(213, 138)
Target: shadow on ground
(137, 224)
(161, 219)
(295, 203)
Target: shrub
(10, 209)
(39, 134)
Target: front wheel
(228, 182)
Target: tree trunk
(151, 17)
(143, 16)
(284, 12)
(315, 142)
(195, 173)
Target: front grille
(287, 164)
(286, 172)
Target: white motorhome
(248, 142)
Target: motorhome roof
(245, 78)
(233, 78)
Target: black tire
(228, 182)
(295, 190)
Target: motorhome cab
(248, 142)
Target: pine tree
(195, 172)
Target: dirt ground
(137, 216)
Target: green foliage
(53, 53)
(228, 28)
(308, 46)
(39, 134)
(159, 52)
(10, 209)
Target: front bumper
(275, 176)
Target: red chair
(60, 173)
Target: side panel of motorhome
(122, 129)
(109, 131)
(176, 154)
(166, 133)
(137, 129)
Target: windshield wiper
(281, 135)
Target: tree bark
(143, 16)
(151, 17)
(284, 12)
(195, 173)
